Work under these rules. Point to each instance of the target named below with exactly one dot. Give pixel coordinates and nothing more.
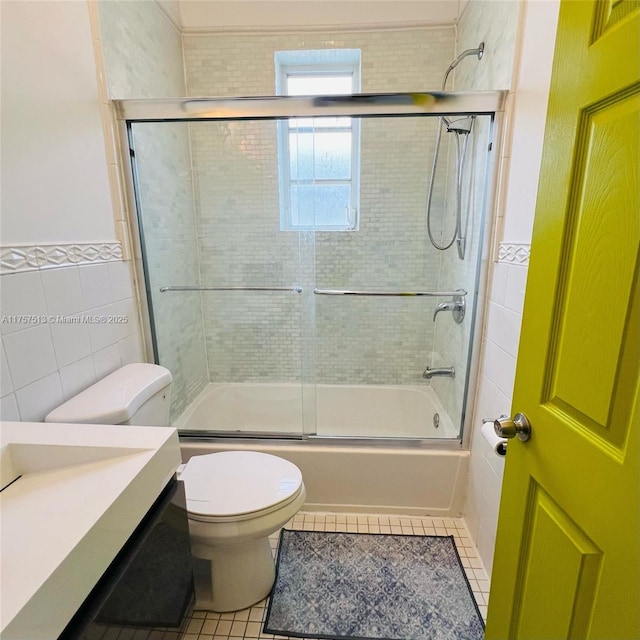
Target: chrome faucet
(456, 306)
(439, 372)
(446, 306)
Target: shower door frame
(436, 103)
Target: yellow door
(567, 560)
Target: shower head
(461, 125)
(479, 52)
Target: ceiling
(198, 15)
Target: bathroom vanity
(72, 497)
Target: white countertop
(82, 491)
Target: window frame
(322, 63)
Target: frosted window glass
(320, 205)
(322, 85)
(321, 155)
(301, 156)
(332, 155)
(332, 205)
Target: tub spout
(437, 372)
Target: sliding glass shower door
(394, 315)
(315, 275)
(223, 279)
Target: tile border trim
(513, 253)
(30, 257)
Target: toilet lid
(233, 483)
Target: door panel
(557, 552)
(567, 561)
(603, 223)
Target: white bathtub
(368, 477)
(340, 410)
(365, 479)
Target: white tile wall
(49, 357)
(9, 408)
(35, 400)
(495, 389)
(6, 385)
(95, 285)
(30, 354)
(21, 296)
(141, 49)
(63, 291)
(74, 377)
(71, 342)
(534, 24)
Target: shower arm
(479, 51)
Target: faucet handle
(456, 306)
(443, 306)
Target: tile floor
(247, 624)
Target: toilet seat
(238, 485)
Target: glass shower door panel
(369, 372)
(167, 227)
(253, 344)
(372, 350)
(229, 324)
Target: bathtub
(354, 476)
(340, 410)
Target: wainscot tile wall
(63, 328)
(493, 398)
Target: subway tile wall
(495, 24)
(378, 340)
(62, 329)
(235, 164)
(142, 52)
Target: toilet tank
(136, 394)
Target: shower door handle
(518, 427)
(458, 293)
(295, 288)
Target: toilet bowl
(235, 499)
(230, 528)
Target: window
(318, 158)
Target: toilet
(235, 499)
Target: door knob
(519, 427)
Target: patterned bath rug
(371, 587)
